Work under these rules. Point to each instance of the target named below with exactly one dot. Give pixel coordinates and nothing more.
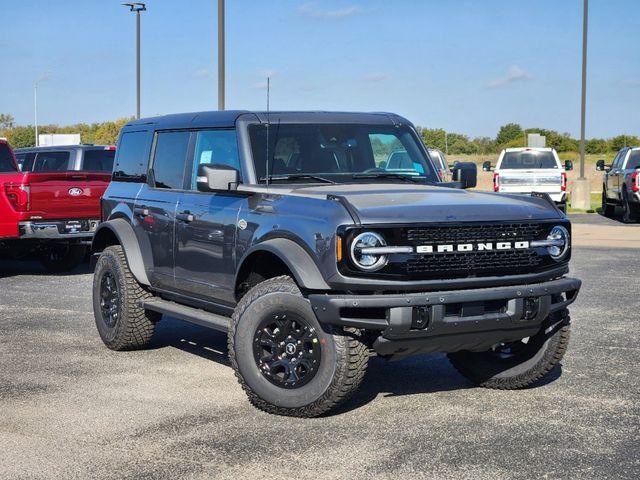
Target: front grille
(445, 234)
(469, 263)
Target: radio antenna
(268, 122)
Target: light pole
(221, 58)
(581, 191)
(137, 7)
(35, 103)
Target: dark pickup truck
(292, 233)
(49, 210)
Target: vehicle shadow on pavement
(422, 374)
(14, 268)
(203, 342)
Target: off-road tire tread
(139, 324)
(348, 376)
(552, 356)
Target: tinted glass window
(6, 160)
(341, 153)
(528, 159)
(634, 160)
(218, 147)
(169, 161)
(132, 156)
(617, 162)
(25, 161)
(98, 160)
(51, 162)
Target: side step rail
(188, 314)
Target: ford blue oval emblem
(75, 192)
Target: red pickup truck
(49, 215)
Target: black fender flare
(123, 231)
(304, 270)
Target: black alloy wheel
(287, 350)
(109, 299)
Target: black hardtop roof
(83, 146)
(228, 118)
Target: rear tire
(521, 364)
(608, 210)
(60, 259)
(286, 362)
(121, 322)
(630, 212)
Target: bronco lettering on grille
(471, 247)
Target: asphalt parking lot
(70, 408)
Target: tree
(434, 138)
(622, 141)
(6, 121)
(509, 133)
(597, 145)
(21, 137)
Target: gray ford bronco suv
(290, 232)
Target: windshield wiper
(296, 176)
(400, 176)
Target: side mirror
(466, 173)
(568, 165)
(214, 177)
(486, 166)
(600, 166)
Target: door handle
(142, 211)
(185, 216)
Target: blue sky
(464, 65)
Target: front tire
(608, 210)
(63, 258)
(518, 364)
(122, 323)
(286, 362)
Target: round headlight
(368, 261)
(560, 236)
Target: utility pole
(137, 7)
(581, 191)
(221, 58)
(35, 109)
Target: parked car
(621, 184)
(86, 158)
(314, 267)
(50, 205)
(528, 170)
(444, 171)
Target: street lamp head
(135, 6)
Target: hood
(400, 203)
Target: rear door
(206, 223)
(157, 201)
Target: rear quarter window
(6, 159)
(99, 160)
(132, 157)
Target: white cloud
(514, 74)
(202, 73)
(264, 73)
(376, 77)
(312, 10)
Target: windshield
(308, 153)
(528, 159)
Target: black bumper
(450, 320)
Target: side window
(52, 162)
(6, 160)
(617, 163)
(634, 160)
(98, 160)
(218, 147)
(169, 159)
(132, 157)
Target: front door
(206, 224)
(157, 202)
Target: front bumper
(450, 320)
(58, 229)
